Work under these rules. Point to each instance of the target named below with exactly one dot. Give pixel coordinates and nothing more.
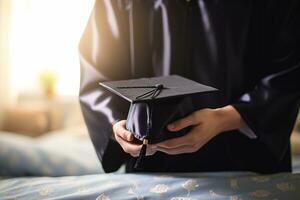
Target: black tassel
(140, 159)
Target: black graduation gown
(249, 50)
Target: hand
(207, 123)
(125, 139)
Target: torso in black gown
(249, 50)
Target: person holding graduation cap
(212, 85)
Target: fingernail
(171, 126)
(129, 137)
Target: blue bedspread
(232, 186)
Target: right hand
(125, 139)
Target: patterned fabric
(231, 186)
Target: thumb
(183, 123)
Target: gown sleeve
(270, 109)
(104, 55)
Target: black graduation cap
(156, 102)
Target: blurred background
(41, 127)
(39, 65)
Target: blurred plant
(48, 80)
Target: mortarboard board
(156, 102)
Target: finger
(129, 147)
(186, 148)
(179, 150)
(177, 142)
(183, 123)
(150, 151)
(118, 124)
(122, 132)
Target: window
(44, 36)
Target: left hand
(207, 123)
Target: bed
(233, 186)
(35, 170)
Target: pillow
(59, 153)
